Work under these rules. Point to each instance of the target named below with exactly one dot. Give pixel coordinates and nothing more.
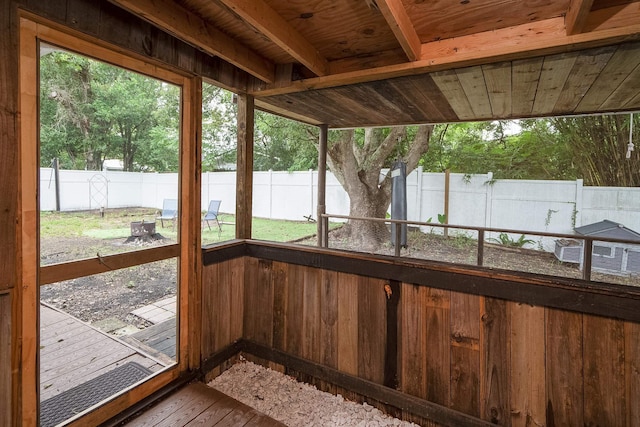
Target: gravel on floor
(294, 403)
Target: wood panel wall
(5, 359)
(506, 362)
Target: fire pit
(143, 232)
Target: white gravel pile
(296, 404)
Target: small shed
(609, 257)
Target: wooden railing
(587, 246)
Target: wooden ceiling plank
(621, 64)
(533, 39)
(623, 97)
(474, 86)
(524, 82)
(577, 15)
(187, 26)
(497, 77)
(402, 27)
(423, 95)
(555, 71)
(449, 85)
(267, 21)
(585, 71)
(284, 112)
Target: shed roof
(608, 229)
(390, 62)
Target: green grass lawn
(116, 224)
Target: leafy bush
(506, 240)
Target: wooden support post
(398, 233)
(190, 301)
(244, 182)
(587, 253)
(322, 183)
(480, 247)
(447, 178)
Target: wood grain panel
(527, 343)
(626, 93)
(494, 361)
(472, 82)
(632, 372)
(329, 318)
(371, 329)
(9, 137)
(348, 323)
(585, 71)
(294, 310)
(497, 78)
(524, 82)
(280, 280)
(210, 296)
(623, 62)
(311, 320)
(6, 384)
(427, 97)
(465, 353)
(258, 320)
(413, 345)
(437, 340)
(604, 385)
(554, 73)
(449, 85)
(564, 376)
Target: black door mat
(65, 405)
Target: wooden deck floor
(72, 352)
(199, 405)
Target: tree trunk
(357, 164)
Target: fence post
(578, 206)
(586, 258)
(419, 173)
(480, 247)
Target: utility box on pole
(399, 200)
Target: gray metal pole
(322, 183)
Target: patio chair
(213, 215)
(169, 212)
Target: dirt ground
(116, 294)
(109, 295)
(463, 250)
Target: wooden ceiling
(386, 62)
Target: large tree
(598, 145)
(356, 158)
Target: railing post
(398, 231)
(323, 228)
(480, 247)
(587, 253)
(325, 232)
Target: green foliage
(283, 144)
(524, 149)
(219, 145)
(598, 146)
(92, 111)
(442, 218)
(506, 240)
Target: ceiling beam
(268, 22)
(171, 17)
(577, 15)
(522, 41)
(400, 23)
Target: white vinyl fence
(474, 200)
